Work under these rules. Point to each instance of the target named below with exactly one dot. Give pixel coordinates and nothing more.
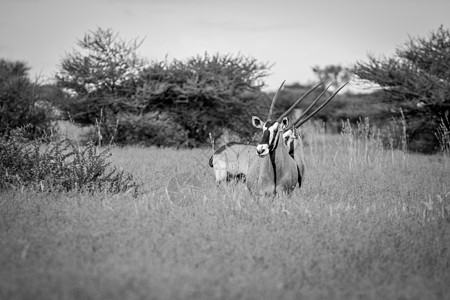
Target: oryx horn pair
(302, 119)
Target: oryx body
(287, 173)
(260, 178)
(295, 145)
(275, 170)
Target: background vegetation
(163, 103)
(416, 83)
(22, 102)
(104, 82)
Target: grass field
(367, 224)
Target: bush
(61, 166)
(206, 93)
(20, 101)
(157, 128)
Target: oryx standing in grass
(278, 170)
(233, 160)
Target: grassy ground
(367, 224)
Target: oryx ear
(285, 122)
(257, 122)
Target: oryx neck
(278, 134)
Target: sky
(292, 36)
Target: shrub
(20, 101)
(205, 93)
(155, 128)
(59, 166)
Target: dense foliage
(204, 94)
(175, 103)
(61, 166)
(20, 100)
(416, 81)
(99, 78)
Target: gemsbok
(233, 160)
(294, 142)
(278, 168)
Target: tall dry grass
(369, 222)
(443, 135)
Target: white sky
(292, 35)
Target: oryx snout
(262, 149)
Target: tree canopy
(167, 103)
(416, 81)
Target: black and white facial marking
(270, 130)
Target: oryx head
(271, 130)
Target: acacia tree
(204, 94)
(164, 103)
(417, 81)
(100, 76)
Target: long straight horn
(274, 100)
(301, 121)
(313, 103)
(299, 100)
